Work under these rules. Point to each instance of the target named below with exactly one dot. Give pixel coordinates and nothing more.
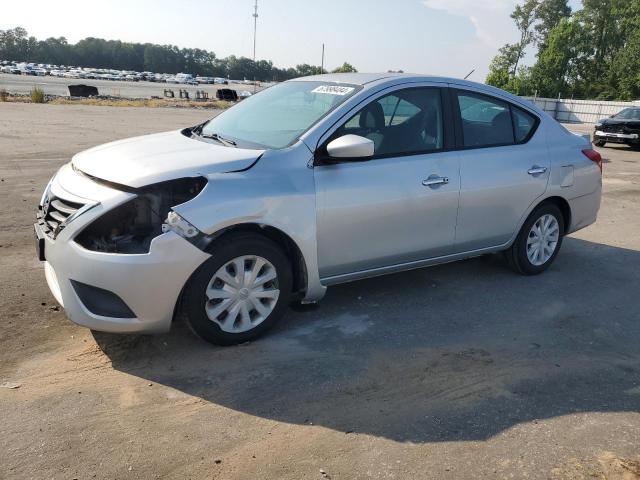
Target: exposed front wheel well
(283, 240)
(564, 207)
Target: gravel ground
(453, 372)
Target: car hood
(616, 121)
(140, 161)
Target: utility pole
(255, 27)
(322, 63)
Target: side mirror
(351, 146)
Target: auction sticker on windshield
(333, 90)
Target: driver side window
(400, 123)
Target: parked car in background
(185, 78)
(310, 183)
(623, 127)
(26, 69)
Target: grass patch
(37, 95)
(4, 95)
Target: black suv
(623, 127)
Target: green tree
(524, 16)
(502, 65)
(556, 70)
(624, 72)
(345, 68)
(13, 44)
(548, 15)
(591, 53)
(304, 70)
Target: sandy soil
(454, 372)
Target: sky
(440, 37)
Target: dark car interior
(409, 121)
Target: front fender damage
(268, 200)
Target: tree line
(591, 53)
(17, 45)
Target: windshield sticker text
(333, 90)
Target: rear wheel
(538, 242)
(240, 292)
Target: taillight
(594, 157)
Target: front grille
(613, 128)
(54, 212)
(620, 129)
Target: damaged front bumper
(630, 138)
(113, 292)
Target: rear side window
(523, 124)
(486, 121)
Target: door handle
(535, 170)
(434, 180)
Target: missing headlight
(132, 226)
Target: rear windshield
(278, 116)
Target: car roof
(365, 78)
(378, 78)
(351, 78)
(370, 80)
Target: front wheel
(599, 143)
(538, 242)
(240, 292)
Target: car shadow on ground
(455, 352)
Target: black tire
(599, 143)
(192, 305)
(517, 255)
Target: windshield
(277, 116)
(629, 114)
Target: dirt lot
(454, 372)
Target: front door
(399, 206)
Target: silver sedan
(310, 183)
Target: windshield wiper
(197, 130)
(215, 136)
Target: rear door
(504, 168)
(399, 206)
